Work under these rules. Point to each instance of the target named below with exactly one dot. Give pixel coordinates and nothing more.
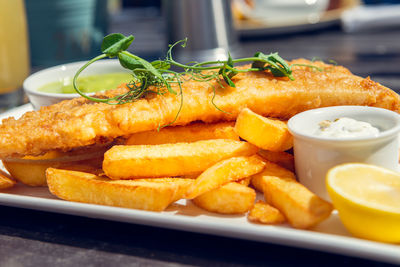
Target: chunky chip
(261, 212)
(231, 198)
(284, 159)
(271, 169)
(33, 172)
(127, 162)
(266, 133)
(5, 181)
(90, 188)
(246, 181)
(189, 133)
(182, 183)
(302, 208)
(223, 172)
(29, 174)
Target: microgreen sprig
(158, 77)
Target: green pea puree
(87, 84)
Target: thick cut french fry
(302, 208)
(5, 181)
(261, 212)
(33, 173)
(231, 198)
(90, 188)
(223, 172)
(182, 183)
(31, 170)
(284, 159)
(266, 133)
(127, 162)
(189, 133)
(29, 174)
(191, 176)
(246, 181)
(271, 169)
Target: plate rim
(337, 244)
(326, 242)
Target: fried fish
(80, 122)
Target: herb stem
(192, 67)
(74, 81)
(156, 77)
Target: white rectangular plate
(329, 236)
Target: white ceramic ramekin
(60, 73)
(315, 155)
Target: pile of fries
(208, 164)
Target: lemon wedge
(367, 198)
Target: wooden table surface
(34, 238)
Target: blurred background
(361, 35)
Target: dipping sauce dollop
(87, 84)
(346, 127)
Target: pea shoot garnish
(158, 77)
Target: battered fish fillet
(79, 122)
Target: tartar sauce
(346, 127)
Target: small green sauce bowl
(58, 74)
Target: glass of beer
(14, 52)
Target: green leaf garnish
(157, 76)
(115, 43)
(129, 63)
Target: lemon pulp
(373, 187)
